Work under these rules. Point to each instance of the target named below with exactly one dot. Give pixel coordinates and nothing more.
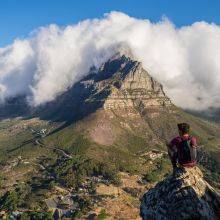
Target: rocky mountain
(182, 195)
(120, 84)
(108, 129)
(118, 99)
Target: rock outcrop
(134, 87)
(182, 195)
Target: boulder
(182, 195)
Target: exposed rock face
(119, 84)
(134, 87)
(183, 195)
(120, 88)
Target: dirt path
(54, 148)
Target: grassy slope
(132, 137)
(17, 140)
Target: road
(53, 148)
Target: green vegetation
(37, 215)
(123, 160)
(78, 214)
(133, 138)
(102, 215)
(152, 177)
(10, 201)
(162, 167)
(79, 145)
(1, 180)
(72, 172)
(69, 140)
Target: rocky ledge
(182, 195)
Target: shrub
(41, 215)
(10, 201)
(109, 172)
(152, 177)
(102, 215)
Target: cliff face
(183, 195)
(136, 88)
(123, 87)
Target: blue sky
(19, 17)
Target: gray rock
(182, 195)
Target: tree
(10, 201)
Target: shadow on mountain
(84, 97)
(79, 101)
(214, 201)
(14, 107)
(211, 114)
(24, 143)
(69, 107)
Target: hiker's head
(183, 128)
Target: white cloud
(185, 60)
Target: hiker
(182, 149)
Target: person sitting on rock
(182, 149)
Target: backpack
(187, 153)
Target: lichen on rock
(182, 195)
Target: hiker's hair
(183, 127)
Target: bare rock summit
(182, 195)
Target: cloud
(185, 60)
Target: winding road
(53, 148)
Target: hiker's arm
(172, 152)
(194, 142)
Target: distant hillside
(212, 114)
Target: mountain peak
(124, 51)
(132, 85)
